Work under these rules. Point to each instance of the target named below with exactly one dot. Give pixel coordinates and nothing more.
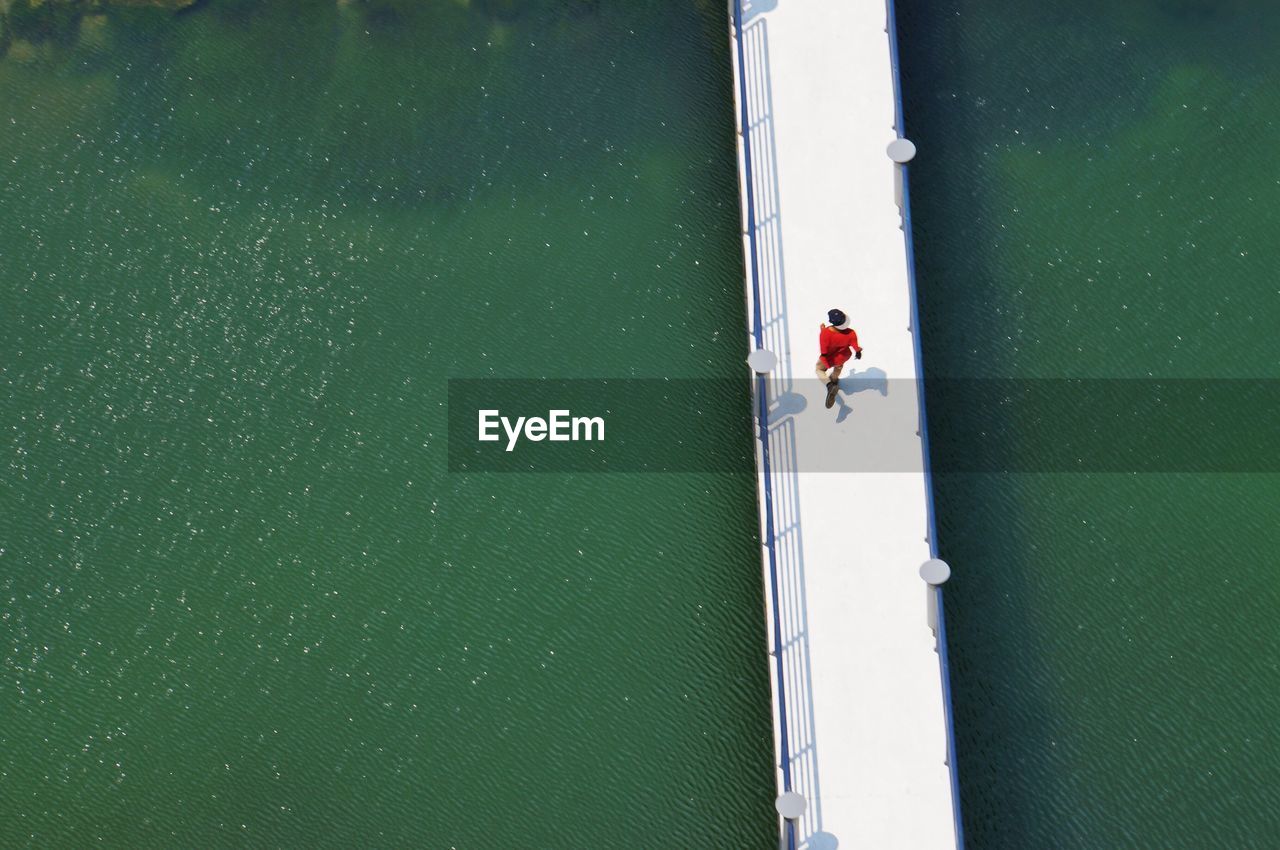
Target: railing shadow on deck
(779, 403)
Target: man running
(837, 342)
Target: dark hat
(837, 318)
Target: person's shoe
(832, 388)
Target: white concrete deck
(865, 714)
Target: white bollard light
(762, 361)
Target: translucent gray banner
(975, 425)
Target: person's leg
(833, 384)
(820, 371)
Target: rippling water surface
(241, 600)
(1096, 197)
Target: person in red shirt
(837, 342)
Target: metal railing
(762, 415)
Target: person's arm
(853, 341)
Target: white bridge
(861, 714)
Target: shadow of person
(845, 410)
(873, 379)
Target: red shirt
(836, 346)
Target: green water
(1095, 197)
(242, 601)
